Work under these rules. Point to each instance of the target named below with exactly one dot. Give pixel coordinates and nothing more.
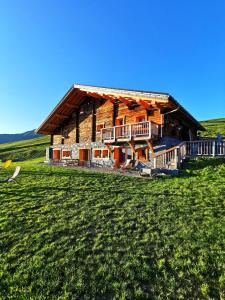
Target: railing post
(149, 129)
(214, 148)
(178, 157)
(101, 136)
(47, 153)
(114, 133)
(130, 132)
(154, 162)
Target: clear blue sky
(170, 46)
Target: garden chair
(127, 165)
(14, 176)
(7, 164)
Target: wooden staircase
(172, 158)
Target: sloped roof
(77, 93)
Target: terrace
(127, 132)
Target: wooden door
(84, 154)
(119, 121)
(120, 154)
(116, 153)
(56, 154)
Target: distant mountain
(7, 138)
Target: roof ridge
(121, 89)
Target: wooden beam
(150, 105)
(147, 153)
(127, 101)
(61, 116)
(108, 146)
(94, 95)
(52, 124)
(70, 105)
(110, 98)
(150, 146)
(145, 104)
(132, 145)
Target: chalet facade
(108, 126)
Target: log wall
(128, 114)
(105, 112)
(104, 115)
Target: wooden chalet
(107, 126)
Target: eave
(77, 93)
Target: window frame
(101, 153)
(100, 124)
(66, 157)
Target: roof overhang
(77, 93)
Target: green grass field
(24, 150)
(73, 234)
(213, 127)
(69, 234)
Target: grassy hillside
(35, 148)
(8, 138)
(213, 127)
(23, 150)
(69, 234)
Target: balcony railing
(136, 131)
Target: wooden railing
(205, 148)
(166, 159)
(173, 157)
(129, 131)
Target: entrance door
(119, 121)
(122, 154)
(56, 154)
(84, 154)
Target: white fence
(173, 157)
(129, 131)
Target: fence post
(178, 150)
(150, 129)
(214, 149)
(154, 162)
(176, 157)
(101, 136)
(48, 153)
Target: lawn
(213, 127)
(23, 150)
(71, 234)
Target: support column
(51, 141)
(132, 145)
(150, 146)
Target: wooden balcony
(127, 132)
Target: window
(141, 154)
(101, 153)
(141, 118)
(99, 127)
(66, 153)
(105, 153)
(129, 153)
(120, 121)
(97, 153)
(65, 133)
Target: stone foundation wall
(74, 148)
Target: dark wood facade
(86, 111)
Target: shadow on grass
(200, 163)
